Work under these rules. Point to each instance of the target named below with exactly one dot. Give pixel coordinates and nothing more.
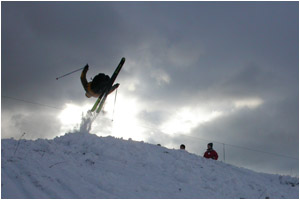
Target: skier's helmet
(99, 82)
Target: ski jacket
(97, 86)
(87, 85)
(210, 153)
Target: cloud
(249, 103)
(160, 76)
(41, 124)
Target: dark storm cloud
(246, 52)
(206, 55)
(260, 139)
(35, 122)
(43, 40)
(270, 128)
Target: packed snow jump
(101, 86)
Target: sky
(195, 72)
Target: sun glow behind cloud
(71, 116)
(125, 119)
(187, 118)
(249, 103)
(121, 118)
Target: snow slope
(82, 165)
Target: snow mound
(82, 165)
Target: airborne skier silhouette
(97, 86)
(101, 86)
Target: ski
(102, 103)
(101, 99)
(97, 103)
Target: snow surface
(83, 165)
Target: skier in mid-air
(97, 86)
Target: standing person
(182, 147)
(210, 152)
(97, 86)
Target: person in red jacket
(210, 152)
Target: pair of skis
(101, 99)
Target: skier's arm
(83, 77)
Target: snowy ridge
(82, 165)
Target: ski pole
(69, 73)
(114, 105)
